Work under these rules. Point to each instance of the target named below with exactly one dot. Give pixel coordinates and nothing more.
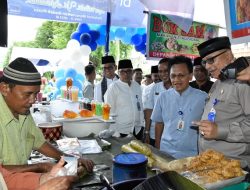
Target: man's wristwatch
(146, 132)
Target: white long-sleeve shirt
(124, 101)
(98, 89)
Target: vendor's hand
(244, 75)
(52, 174)
(58, 183)
(207, 128)
(88, 164)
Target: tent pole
(108, 23)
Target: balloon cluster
(93, 36)
(61, 76)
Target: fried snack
(213, 166)
(140, 147)
(86, 113)
(67, 114)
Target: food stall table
(106, 158)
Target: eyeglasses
(126, 71)
(179, 76)
(108, 68)
(211, 59)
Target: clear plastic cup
(106, 111)
(74, 93)
(98, 109)
(63, 92)
(93, 106)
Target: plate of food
(213, 170)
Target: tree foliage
(55, 35)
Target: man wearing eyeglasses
(225, 124)
(175, 109)
(109, 76)
(125, 99)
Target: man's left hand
(207, 128)
(86, 163)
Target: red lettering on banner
(200, 30)
(157, 24)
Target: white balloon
(85, 60)
(66, 64)
(85, 50)
(76, 56)
(79, 67)
(73, 44)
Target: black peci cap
(213, 45)
(124, 64)
(108, 59)
(154, 69)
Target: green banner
(166, 39)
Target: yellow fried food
(140, 147)
(213, 166)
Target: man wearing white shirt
(125, 99)
(146, 89)
(109, 77)
(154, 93)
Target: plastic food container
(83, 128)
(128, 166)
(51, 131)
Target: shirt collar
(185, 93)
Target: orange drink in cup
(106, 111)
(93, 107)
(74, 93)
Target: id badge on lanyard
(212, 114)
(180, 124)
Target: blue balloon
(136, 39)
(60, 82)
(143, 52)
(140, 47)
(126, 39)
(101, 41)
(80, 94)
(93, 45)
(78, 84)
(102, 29)
(70, 73)
(131, 31)
(141, 31)
(85, 39)
(144, 38)
(76, 36)
(80, 77)
(59, 73)
(83, 28)
(94, 35)
(55, 94)
(119, 33)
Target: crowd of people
(177, 116)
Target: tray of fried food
(213, 170)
